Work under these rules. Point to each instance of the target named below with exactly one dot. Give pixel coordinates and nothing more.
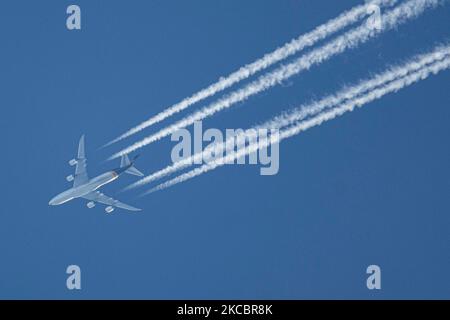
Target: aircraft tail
(125, 162)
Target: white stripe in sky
(289, 118)
(312, 122)
(294, 46)
(350, 39)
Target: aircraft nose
(52, 202)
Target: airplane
(86, 188)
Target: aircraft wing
(97, 196)
(81, 176)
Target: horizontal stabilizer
(134, 172)
(125, 162)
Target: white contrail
(391, 19)
(289, 118)
(294, 46)
(314, 121)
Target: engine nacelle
(70, 178)
(90, 204)
(73, 162)
(109, 209)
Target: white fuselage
(82, 190)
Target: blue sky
(370, 187)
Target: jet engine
(90, 204)
(109, 209)
(73, 162)
(70, 178)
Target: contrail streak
(294, 46)
(350, 39)
(314, 121)
(289, 118)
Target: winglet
(81, 154)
